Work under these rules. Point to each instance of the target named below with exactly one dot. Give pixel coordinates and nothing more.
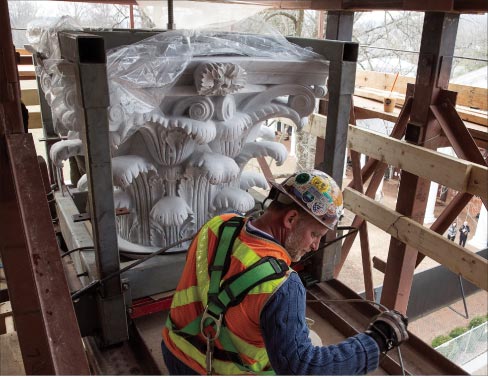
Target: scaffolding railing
(466, 347)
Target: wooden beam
(379, 264)
(452, 172)
(469, 96)
(365, 108)
(452, 256)
(316, 125)
(362, 96)
(457, 174)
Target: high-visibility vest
(240, 347)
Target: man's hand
(388, 329)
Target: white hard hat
(316, 192)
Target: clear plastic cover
(42, 34)
(140, 75)
(158, 61)
(144, 72)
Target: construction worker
(240, 309)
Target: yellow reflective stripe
(220, 367)
(201, 256)
(247, 257)
(185, 296)
(266, 287)
(256, 353)
(245, 254)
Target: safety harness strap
(221, 296)
(233, 290)
(228, 233)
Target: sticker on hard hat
(318, 192)
(321, 185)
(318, 208)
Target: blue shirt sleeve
(290, 349)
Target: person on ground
(451, 232)
(225, 321)
(463, 233)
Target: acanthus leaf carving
(127, 168)
(261, 149)
(235, 198)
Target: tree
(299, 23)
(388, 41)
(471, 44)
(21, 12)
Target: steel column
(342, 77)
(87, 53)
(339, 25)
(435, 60)
(50, 135)
(342, 72)
(330, 153)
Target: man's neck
(270, 224)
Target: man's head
(310, 203)
(465, 223)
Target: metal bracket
(86, 216)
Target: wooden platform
(10, 357)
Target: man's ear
(290, 218)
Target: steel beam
(87, 54)
(48, 332)
(435, 60)
(49, 337)
(331, 300)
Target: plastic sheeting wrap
(141, 74)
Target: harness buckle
(217, 321)
(210, 339)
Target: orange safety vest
(242, 321)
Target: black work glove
(388, 329)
